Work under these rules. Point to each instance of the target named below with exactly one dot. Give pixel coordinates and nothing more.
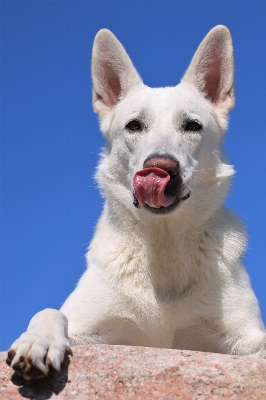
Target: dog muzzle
(155, 188)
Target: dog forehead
(178, 100)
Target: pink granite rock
(120, 372)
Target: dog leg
(41, 349)
(253, 345)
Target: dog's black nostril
(172, 174)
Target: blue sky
(50, 138)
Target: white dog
(164, 266)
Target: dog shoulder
(227, 234)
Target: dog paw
(34, 355)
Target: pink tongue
(149, 185)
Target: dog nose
(167, 164)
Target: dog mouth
(157, 190)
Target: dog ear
(212, 68)
(113, 73)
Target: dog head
(162, 142)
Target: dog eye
(134, 125)
(192, 126)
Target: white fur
(174, 280)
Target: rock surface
(120, 372)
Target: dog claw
(10, 356)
